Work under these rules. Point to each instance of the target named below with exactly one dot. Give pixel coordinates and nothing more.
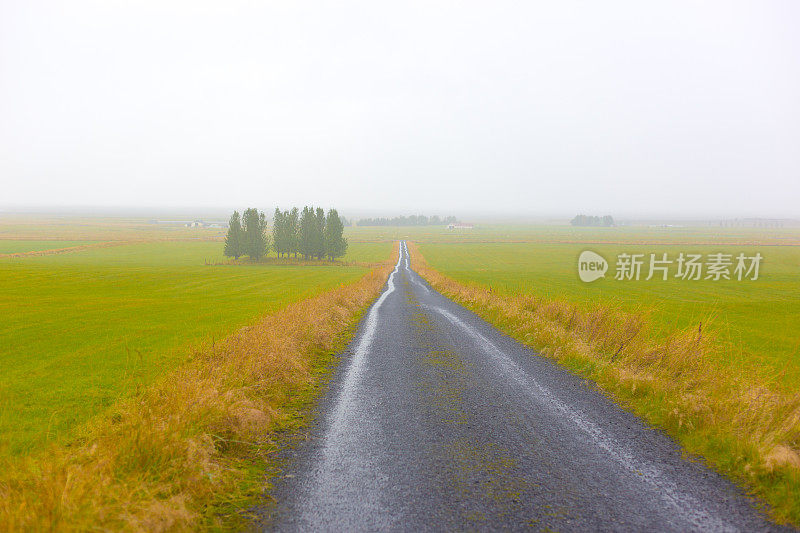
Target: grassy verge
(188, 451)
(744, 421)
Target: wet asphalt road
(437, 421)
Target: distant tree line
(584, 220)
(309, 233)
(413, 220)
(752, 222)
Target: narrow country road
(437, 421)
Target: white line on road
(347, 472)
(360, 354)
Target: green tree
(233, 240)
(293, 231)
(306, 242)
(279, 237)
(335, 243)
(255, 234)
(319, 233)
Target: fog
(628, 108)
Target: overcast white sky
(537, 108)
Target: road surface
(437, 421)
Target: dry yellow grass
(178, 455)
(741, 421)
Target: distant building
(454, 225)
(192, 223)
(197, 224)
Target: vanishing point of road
(436, 421)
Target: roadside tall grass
(741, 420)
(188, 451)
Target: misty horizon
(678, 111)
(189, 213)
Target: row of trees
(584, 220)
(413, 220)
(309, 233)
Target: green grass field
(79, 330)
(18, 246)
(760, 316)
(94, 228)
